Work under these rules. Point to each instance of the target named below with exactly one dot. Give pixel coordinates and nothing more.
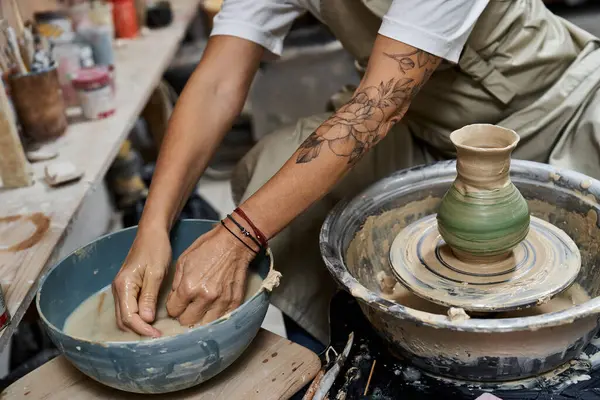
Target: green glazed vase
(483, 216)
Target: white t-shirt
(440, 27)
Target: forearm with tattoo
(395, 74)
(368, 116)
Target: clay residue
(457, 314)
(554, 176)
(271, 281)
(368, 253)
(22, 231)
(386, 283)
(584, 229)
(585, 185)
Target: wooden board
(271, 368)
(14, 168)
(92, 146)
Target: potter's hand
(210, 278)
(136, 286)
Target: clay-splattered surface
(20, 232)
(457, 345)
(368, 253)
(91, 146)
(394, 378)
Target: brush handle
(14, 45)
(18, 18)
(27, 48)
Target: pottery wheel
(541, 266)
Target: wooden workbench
(92, 146)
(271, 368)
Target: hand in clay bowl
(77, 309)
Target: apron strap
(487, 75)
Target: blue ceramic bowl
(156, 366)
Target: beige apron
(522, 67)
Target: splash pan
(355, 243)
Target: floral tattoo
(406, 61)
(362, 122)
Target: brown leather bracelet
(259, 235)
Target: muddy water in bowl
(95, 318)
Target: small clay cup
(39, 103)
(483, 216)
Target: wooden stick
(369, 380)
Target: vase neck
(483, 170)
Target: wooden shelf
(92, 146)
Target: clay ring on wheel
(541, 266)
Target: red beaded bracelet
(259, 235)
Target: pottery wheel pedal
(483, 252)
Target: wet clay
(544, 264)
(367, 256)
(95, 319)
(483, 215)
(20, 232)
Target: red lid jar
(91, 78)
(95, 92)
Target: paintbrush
(14, 47)
(6, 45)
(9, 57)
(4, 63)
(24, 37)
(18, 18)
(27, 47)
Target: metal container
(476, 349)
(160, 365)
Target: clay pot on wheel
(483, 216)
